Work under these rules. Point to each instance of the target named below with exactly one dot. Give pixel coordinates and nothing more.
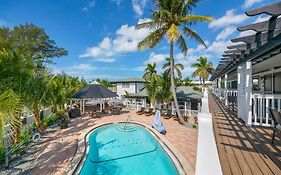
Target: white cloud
(91, 4)
(226, 33)
(262, 18)
(218, 47)
(229, 19)
(156, 58)
(117, 2)
(125, 41)
(250, 3)
(84, 67)
(138, 6)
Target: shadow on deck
(244, 150)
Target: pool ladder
(129, 118)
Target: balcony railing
(261, 103)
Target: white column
(248, 90)
(225, 90)
(220, 88)
(244, 92)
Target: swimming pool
(119, 149)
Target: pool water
(118, 149)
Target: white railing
(261, 103)
(231, 92)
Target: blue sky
(101, 39)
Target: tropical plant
(60, 88)
(150, 71)
(37, 94)
(151, 87)
(187, 82)
(10, 108)
(172, 18)
(164, 93)
(203, 69)
(178, 67)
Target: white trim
(207, 154)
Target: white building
(132, 85)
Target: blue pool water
(114, 151)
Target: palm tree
(178, 67)
(172, 18)
(37, 94)
(164, 93)
(203, 69)
(150, 71)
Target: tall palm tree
(172, 18)
(178, 67)
(150, 71)
(203, 69)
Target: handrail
(127, 121)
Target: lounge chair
(276, 116)
(141, 111)
(149, 112)
(168, 115)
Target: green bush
(2, 154)
(50, 120)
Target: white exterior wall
(140, 86)
(120, 90)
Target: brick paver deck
(60, 151)
(244, 150)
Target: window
(125, 85)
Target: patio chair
(149, 112)
(141, 111)
(276, 116)
(98, 114)
(168, 115)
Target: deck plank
(243, 150)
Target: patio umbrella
(94, 91)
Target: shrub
(2, 154)
(50, 120)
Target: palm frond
(152, 39)
(182, 45)
(193, 35)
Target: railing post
(225, 90)
(255, 109)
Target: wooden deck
(244, 150)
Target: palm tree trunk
(172, 73)
(36, 118)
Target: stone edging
(180, 162)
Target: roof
(183, 92)
(187, 92)
(130, 80)
(94, 91)
(264, 44)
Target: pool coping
(179, 161)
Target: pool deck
(57, 156)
